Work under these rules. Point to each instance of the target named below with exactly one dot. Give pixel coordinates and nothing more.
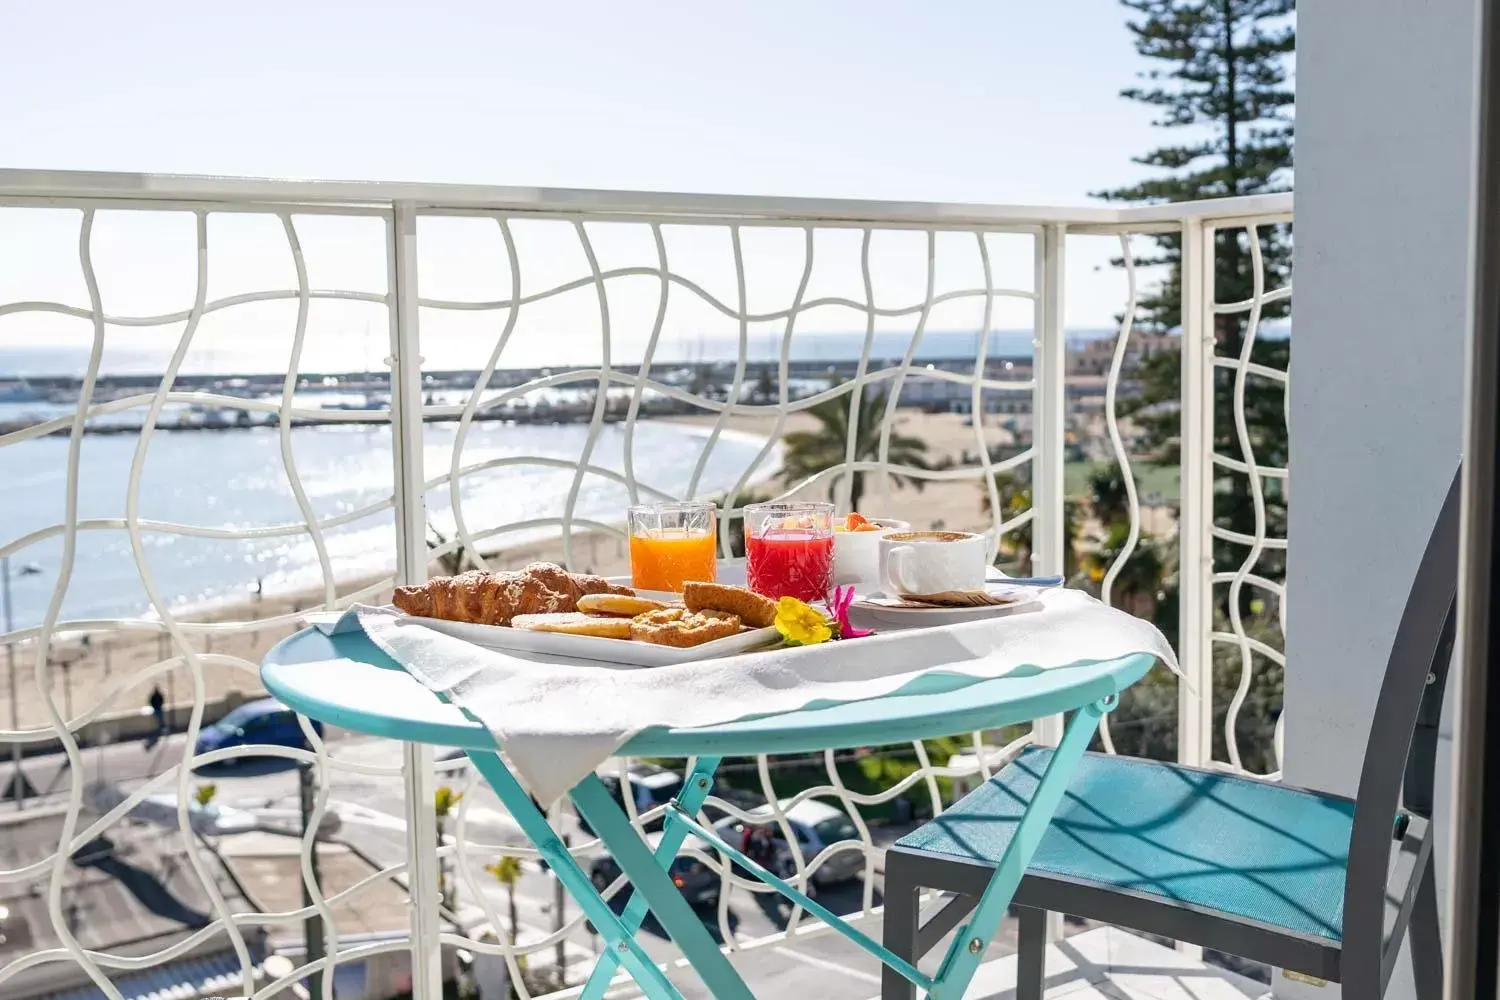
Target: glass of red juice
(789, 549)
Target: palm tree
(444, 801)
(811, 452)
(454, 562)
(1015, 500)
(507, 871)
(1107, 494)
(1140, 578)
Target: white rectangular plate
(620, 652)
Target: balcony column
(1382, 209)
(419, 787)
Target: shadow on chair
(1318, 884)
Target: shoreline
(236, 631)
(84, 666)
(239, 629)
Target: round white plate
(871, 606)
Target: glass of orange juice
(672, 543)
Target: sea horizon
(126, 356)
(130, 357)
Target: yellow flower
(801, 625)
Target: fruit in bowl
(856, 549)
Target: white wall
(1384, 126)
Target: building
(1094, 357)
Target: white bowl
(856, 555)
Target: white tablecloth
(559, 721)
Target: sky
(1000, 101)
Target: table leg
(651, 880)
(695, 788)
(970, 940)
(617, 937)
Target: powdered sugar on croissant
(495, 598)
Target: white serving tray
(620, 652)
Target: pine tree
(1226, 81)
(1219, 73)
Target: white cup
(932, 562)
(856, 555)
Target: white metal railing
(622, 270)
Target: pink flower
(838, 605)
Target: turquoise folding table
(346, 680)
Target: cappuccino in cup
(933, 562)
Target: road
(370, 810)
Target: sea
(237, 479)
(135, 353)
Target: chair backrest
(1402, 749)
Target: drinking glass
(789, 549)
(672, 543)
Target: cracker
(617, 605)
(574, 623)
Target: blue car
(266, 721)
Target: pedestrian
(758, 845)
(158, 703)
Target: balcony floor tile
(1107, 963)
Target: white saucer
(882, 608)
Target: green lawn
(1150, 479)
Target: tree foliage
(1016, 546)
(1145, 723)
(811, 452)
(444, 801)
(1219, 73)
(507, 871)
(1219, 76)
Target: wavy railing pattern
(631, 375)
(864, 450)
(1261, 569)
(1251, 562)
(184, 649)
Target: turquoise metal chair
(1306, 881)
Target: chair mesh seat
(1235, 845)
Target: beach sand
(956, 505)
(118, 666)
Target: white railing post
(1195, 518)
(411, 567)
(1049, 409)
(1049, 419)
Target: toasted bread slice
(751, 608)
(682, 628)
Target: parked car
(650, 786)
(815, 825)
(697, 881)
(266, 721)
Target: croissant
(572, 585)
(495, 598)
